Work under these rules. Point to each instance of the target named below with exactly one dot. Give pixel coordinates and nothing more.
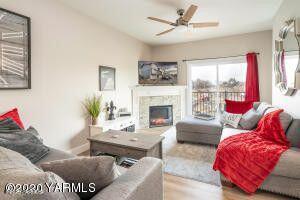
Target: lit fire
(158, 121)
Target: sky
(226, 71)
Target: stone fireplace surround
(145, 96)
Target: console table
(120, 123)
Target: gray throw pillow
(293, 133)
(24, 142)
(8, 126)
(34, 132)
(100, 170)
(250, 119)
(256, 105)
(16, 169)
(284, 117)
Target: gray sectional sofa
(285, 178)
(143, 181)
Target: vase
(94, 121)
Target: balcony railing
(208, 103)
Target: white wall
(67, 49)
(289, 9)
(260, 42)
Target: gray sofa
(285, 178)
(143, 181)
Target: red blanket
(247, 159)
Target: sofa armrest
(143, 181)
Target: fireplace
(160, 116)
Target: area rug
(192, 161)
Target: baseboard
(80, 149)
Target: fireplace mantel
(156, 91)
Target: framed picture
(14, 50)
(107, 78)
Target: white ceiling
(130, 16)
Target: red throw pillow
(14, 115)
(238, 107)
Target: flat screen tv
(158, 73)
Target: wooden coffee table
(121, 143)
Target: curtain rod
(215, 57)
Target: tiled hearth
(146, 96)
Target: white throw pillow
(231, 119)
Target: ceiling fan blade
(205, 24)
(167, 31)
(161, 20)
(189, 13)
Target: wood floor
(177, 188)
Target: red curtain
(252, 83)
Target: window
(214, 80)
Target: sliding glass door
(212, 81)
(204, 89)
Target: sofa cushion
(54, 154)
(293, 133)
(191, 124)
(142, 181)
(289, 164)
(285, 118)
(250, 119)
(16, 169)
(100, 170)
(227, 132)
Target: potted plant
(93, 106)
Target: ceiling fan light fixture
(191, 29)
(182, 28)
(182, 24)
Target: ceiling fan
(183, 20)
